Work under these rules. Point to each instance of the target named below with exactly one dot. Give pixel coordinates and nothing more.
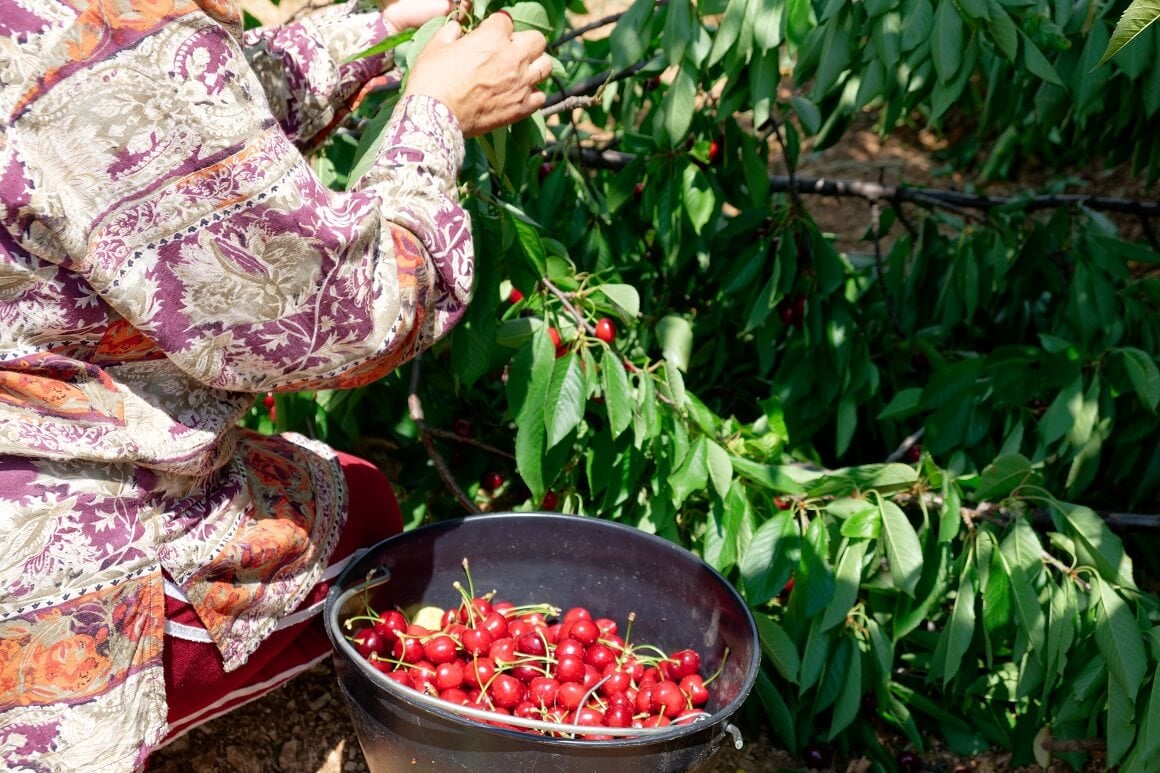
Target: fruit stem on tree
(415, 409)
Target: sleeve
(236, 261)
(305, 68)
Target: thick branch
(955, 201)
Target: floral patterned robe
(166, 255)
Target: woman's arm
(304, 69)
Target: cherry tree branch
(415, 409)
(953, 201)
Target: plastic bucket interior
(565, 560)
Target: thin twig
(568, 305)
(1064, 569)
(415, 408)
(611, 18)
(442, 433)
(906, 444)
(571, 103)
(594, 83)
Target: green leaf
(865, 524)
(961, 628)
(1149, 745)
(691, 476)
(917, 27)
(1144, 374)
(850, 698)
(674, 383)
(617, 396)
(675, 114)
(411, 49)
(1121, 728)
(902, 548)
(946, 45)
(387, 44)
(675, 335)
(814, 584)
(1003, 476)
(527, 385)
(1057, 419)
(764, 566)
(1037, 63)
(1060, 628)
(720, 468)
(783, 479)
(1118, 636)
(1021, 554)
(565, 399)
(814, 656)
(905, 403)
(847, 580)
(629, 37)
(697, 197)
(1096, 544)
(530, 16)
(778, 712)
(624, 297)
(1136, 18)
(678, 29)
(727, 31)
(1003, 31)
(778, 647)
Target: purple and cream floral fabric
(166, 255)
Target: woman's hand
(487, 77)
(411, 14)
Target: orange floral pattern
(169, 255)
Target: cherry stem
(468, 600)
(720, 668)
(470, 583)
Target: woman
(167, 256)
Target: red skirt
(197, 687)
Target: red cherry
(570, 694)
(390, 624)
(616, 682)
(507, 691)
(606, 330)
(585, 632)
(650, 83)
(688, 662)
(268, 400)
(462, 428)
(607, 626)
(554, 334)
(914, 453)
(479, 672)
(577, 613)
(398, 677)
(569, 668)
(638, 191)
(440, 649)
(782, 504)
(550, 501)
(667, 699)
(694, 687)
(367, 642)
(542, 690)
(909, 761)
(527, 710)
(408, 650)
(455, 695)
(569, 646)
(531, 644)
(274, 415)
(515, 296)
(448, 675)
(476, 641)
(714, 151)
(618, 716)
(490, 481)
(599, 656)
(495, 624)
(422, 675)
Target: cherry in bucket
(535, 662)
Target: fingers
(448, 33)
(498, 23)
(541, 68)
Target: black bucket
(566, 560)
